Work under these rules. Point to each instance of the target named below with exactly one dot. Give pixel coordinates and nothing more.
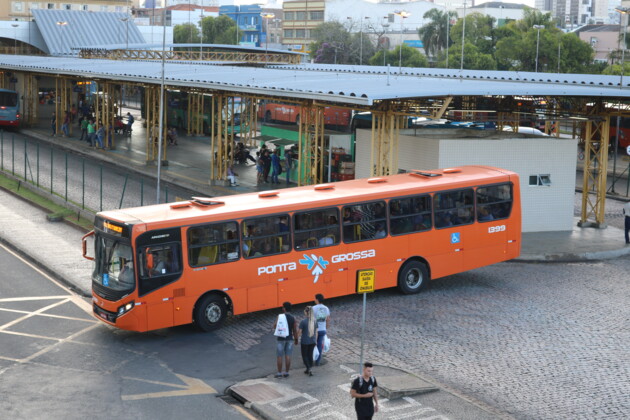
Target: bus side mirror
(84, 244)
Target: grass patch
(56, 210)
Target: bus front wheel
(413, 277)
(210, 312)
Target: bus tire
(210, 312)
(413, 277)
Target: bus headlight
(125, 308)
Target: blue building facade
(248, 21)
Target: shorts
(284, 348)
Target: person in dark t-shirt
(284, 347)
(364, 392)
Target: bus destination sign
(365, 280)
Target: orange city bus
(194, 261)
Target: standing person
(130, 121)
(53, 123)
(364, 392)
(91, 133)
(288, 160)
(284, 347)
(259, 168)
(266, 160)
(322, 315)
(65, 127)
(100, 134)
(626, 211)
(84, 125)
(307, 331)
(275, 165)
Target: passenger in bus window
(283, 224)
(125, 276)
(325, 241)
(484, 215)
(380, 231)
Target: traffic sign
(365, 280)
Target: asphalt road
(57, 362)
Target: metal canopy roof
(361, 85)
(84, 28)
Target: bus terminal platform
(57, 251)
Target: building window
(51, 6)
(103, 8)
(18, 6)
(67, 7)
(317, 15)
(541, 180)
(300, 33)
(288, 33)
(289, 15)
(85, 7)
(34, 6)
(300, 15)
(119, 9)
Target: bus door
(160, 266)
(493, 207)
(453, 219)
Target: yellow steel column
(221, 137)
(249, 121)
(31, 99)
(386, 126)
(311, 145)
(195, 114)
(595, 136)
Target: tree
(479, 32)
(411, 57)
(332, 43)
(434, 34)
(474, 59)
(218, 30)
(187, 33)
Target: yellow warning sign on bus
(365, 280)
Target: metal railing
(83, 182)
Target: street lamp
(126, 20)
(403, 15)
(461, 62)
(361, 46)
(538, 28)
(266, 18)
(61, 24)
(385, 26)
(15, 26)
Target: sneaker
(286, 374)
(278, 375)
(310, 373)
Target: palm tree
(434, 34)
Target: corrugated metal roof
(343, 84)
(84, 29)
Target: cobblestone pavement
(533, 341)
(613, 215)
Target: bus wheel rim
(414, 278)
(213, 313)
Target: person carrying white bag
(285, 329)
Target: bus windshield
(8, 99)
(113, 264)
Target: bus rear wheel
(413, 277)
(210, 312)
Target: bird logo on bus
(315, 263)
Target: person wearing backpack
(364, 392)
(286, 331)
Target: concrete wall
(544, 208)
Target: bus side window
(366, 221)
(410, 214)
(316, 228)
(213, 244)
(453, 208)
(494, 202)
(266, 236)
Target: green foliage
(410, 57)
(219, 30)
(615, 69)
(435, 33)
(187, 33)
(473, 58)
(479, 32)
(332, 43)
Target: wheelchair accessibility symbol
(455, 238)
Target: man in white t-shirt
(322, 315)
